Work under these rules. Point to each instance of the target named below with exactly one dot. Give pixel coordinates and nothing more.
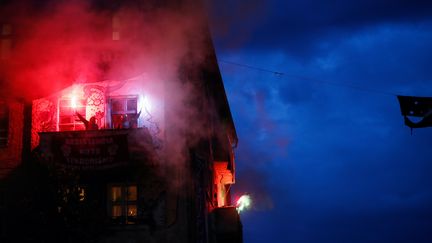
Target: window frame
(5, 40)
(74, 123)
(123, 202)
(115, 114)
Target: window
(123, 203)
(116, 27)
(68, 121)
(4, 124)
(81, 194)
(124, 112)
(6, 41)
(6, 30)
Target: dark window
(4, 124)
(122, 201)
(68, 121)
(5, 41)
(124, 112)
(117, 106)
(131, 105)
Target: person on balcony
(129, 120)
(89, 125)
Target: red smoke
(57, 43)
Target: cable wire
(282, 74)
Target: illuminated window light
(73, 102)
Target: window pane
(81, 110)
(66, 111)
(79, 127)
(68, 103)
(117, 121)
(132, 210)
(132, 193)
(122, 204)
(117, 105)
(68, 121)
(116, 194)
(132, 105)
(6, 29)
(116, 211)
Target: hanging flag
(416, 107)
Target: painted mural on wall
(95, 97)
(44, 118)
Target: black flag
(416, 107)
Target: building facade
(114, 126)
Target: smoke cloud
(59, 43)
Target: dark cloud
(297, 26)
(349, 170)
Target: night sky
(323, 149)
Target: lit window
(116, 195)
(123, 203)
(4, 124)
(124, 112)
(131, 193)
(68, 121)
(81, 194)
(116, 211)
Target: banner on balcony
(89, 151)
